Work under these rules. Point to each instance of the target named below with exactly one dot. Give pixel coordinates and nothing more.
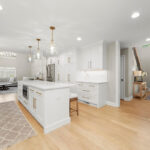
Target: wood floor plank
(107, 128)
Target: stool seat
(73, 95)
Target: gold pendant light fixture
(52, 44)
(30, 54)
(38, 55)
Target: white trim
(56, 125)
(117, 74)
(128, 98)
(112, 104)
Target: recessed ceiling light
(79, 39)
(148, 39)
(135, 15)
(1, 8)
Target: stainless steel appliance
(25, 91)
(50, 72)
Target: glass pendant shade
(52, 49)
(52, 44)
(30, 55)
(29, 59)
(38, 55)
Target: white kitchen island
(48, 102)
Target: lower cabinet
(93, 93)
(19, 93)
(36, 104)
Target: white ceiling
(22, 21)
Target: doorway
(122, 77)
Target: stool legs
(77, 107)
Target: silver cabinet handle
(90, 64)
(31, 90)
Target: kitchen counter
(45, 85)
(47, 102)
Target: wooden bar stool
(74, 97)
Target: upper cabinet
(91, 57)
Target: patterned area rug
(14, 127)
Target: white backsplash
(92, 76)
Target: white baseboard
(128, 98)
(56, 125)
(112, 104)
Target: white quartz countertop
(96, 82)
(45, 85)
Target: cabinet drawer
(88, 91)
(85, 98)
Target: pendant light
(30, 54)
(38, 50)
(52, 44)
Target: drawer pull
(31, 90)
(39, 93)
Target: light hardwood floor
(108, 128)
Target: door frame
(122, 68)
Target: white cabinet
(93, 93)
(91, 57)
(36, 104)
(50, 107)
(65, 66)
(19, 91)
(31, 100)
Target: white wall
(20, 63)
(113, 65)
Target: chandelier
(7, 54)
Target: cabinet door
(96, 57)
(19, 92)
(87, 59)
(39, 103)
(31, 97)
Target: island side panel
(56, 108)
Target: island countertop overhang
(45, 85)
